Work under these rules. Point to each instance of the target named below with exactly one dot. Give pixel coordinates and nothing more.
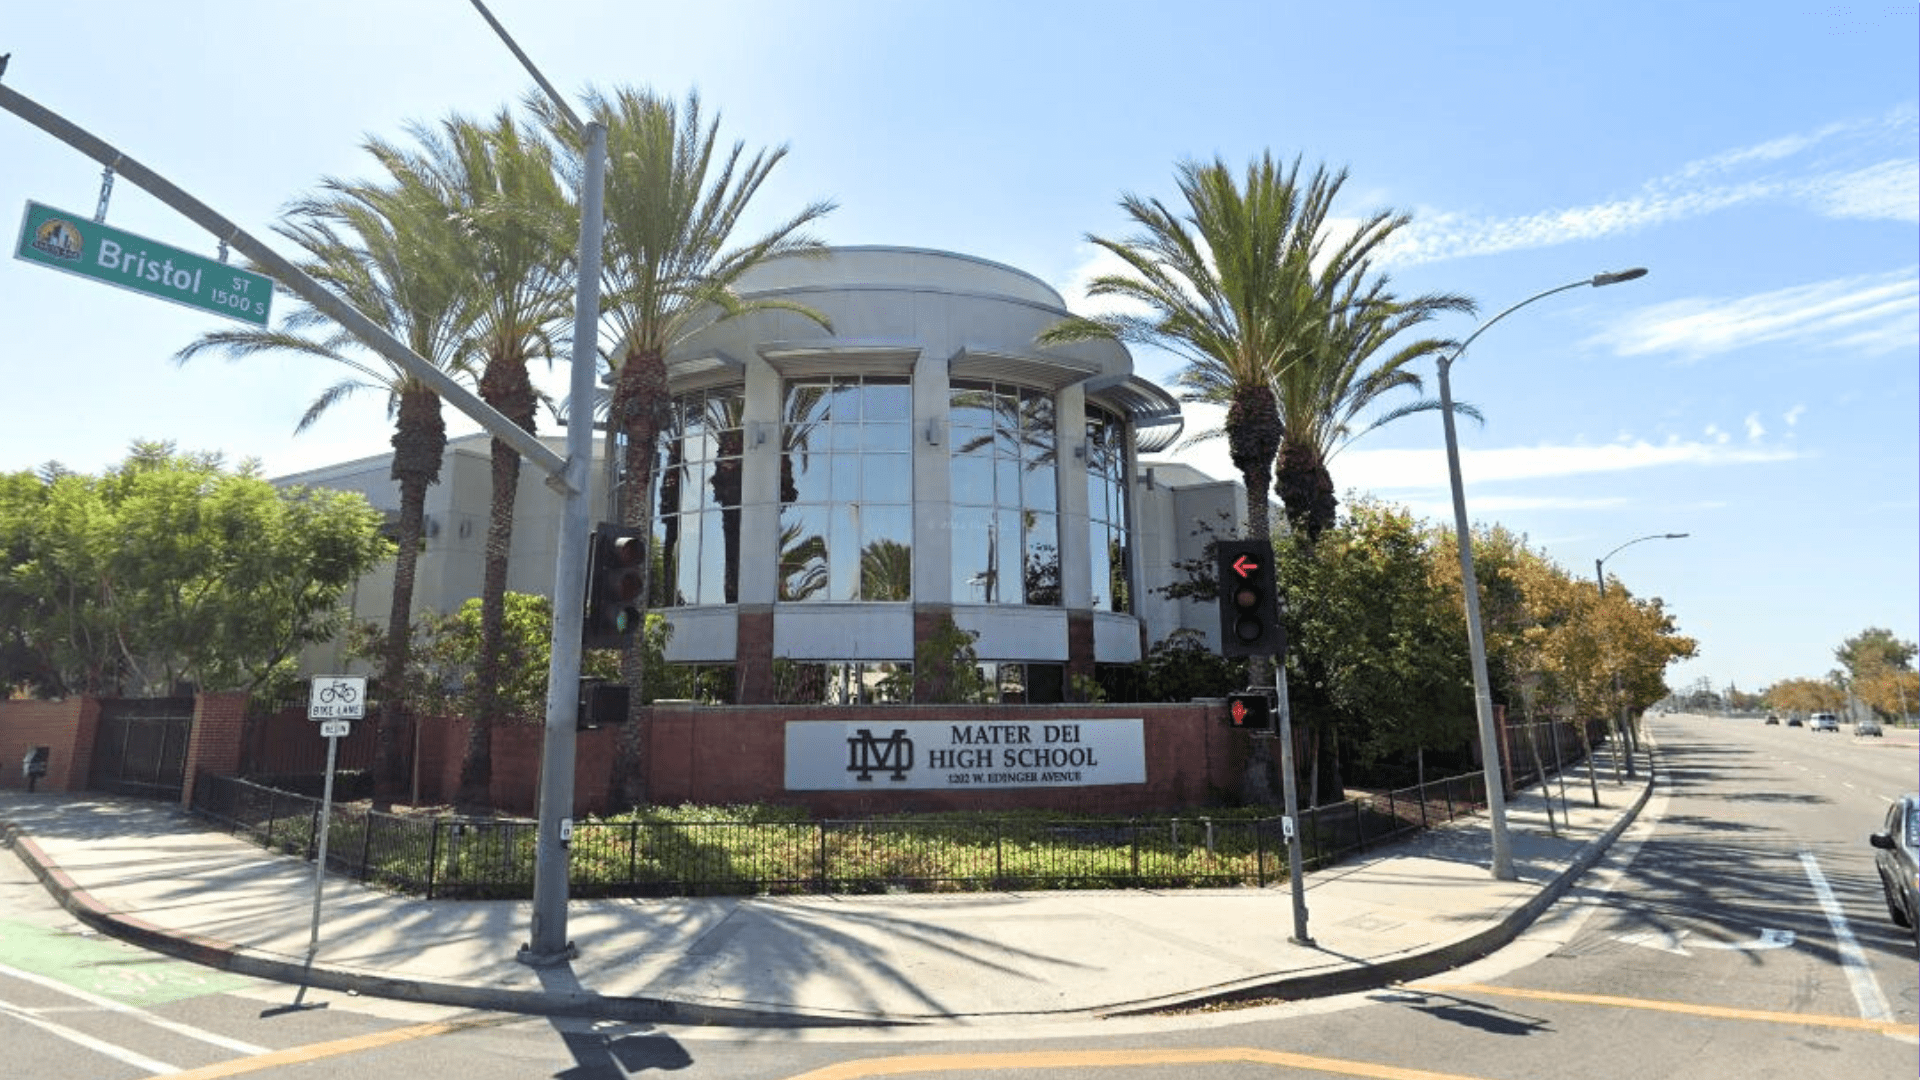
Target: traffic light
(616, 568)
(1250, 711)
(1249, 600)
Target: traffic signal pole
(1251, 624)
(1290, 802)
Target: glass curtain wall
(1108, 541)
(696, 533)
(1004, 473)
(846, 490)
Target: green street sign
(79, 245)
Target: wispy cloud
(1387, 470)
(1865, 169)
(1873, 314)
(1425, 470)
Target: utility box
(34, 765)
(602, 704)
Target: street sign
(336, 729)
(337, 697)
(78, 245)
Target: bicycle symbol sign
(338, 697)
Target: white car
(1825, 721)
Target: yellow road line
(1069, 1059)
(1854, 1023)
(296, 1055)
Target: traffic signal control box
(1249, 599)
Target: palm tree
(1228, 286)
(514, 229)
(397, 272)
(1329, 382)
(672, 203)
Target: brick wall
(66, 728)
(219, 726)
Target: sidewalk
(154, 875)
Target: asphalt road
(1736, 931)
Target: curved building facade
(827, 498)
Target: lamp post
(1476, 644)
(1600, 576)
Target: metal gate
(141, 746)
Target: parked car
(1893, 857)
(1826, 721)
(1868, 726)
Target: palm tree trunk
(506, 387)
(642, 406)
(419, 441)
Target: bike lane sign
(338, 697)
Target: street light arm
(1597, 280)
(1599, 574)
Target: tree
(402, 272)
(512, 230)
(1364, 602)
(1227, 285)
(172, 569)
(671, 212)
(1879, 672)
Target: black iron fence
(493, 858)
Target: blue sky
(1756, 390)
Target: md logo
(867, 755)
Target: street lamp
(1600, 576)
(1476, 644)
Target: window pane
(890, 399)
(972, 580)
(808, 403)
(970, 411)
(807, 478)
(887, 438)
(666, 541)
(1037, 487)
(1041, 567)
(673, 489)
(972, 480)
(803, 553)
(1121, 557)
(846, 477)
(887, 478)
(1102, 576)
(700, 548)
(886, 555)
(1007, 557)
(723, 485)
(843, 553)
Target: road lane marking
(100, 1046)
(127, 1010)
(1866, 990)
(1081, 1059)
(1722, 1012)
(299, 1055)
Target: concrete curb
(228, 956)
(1339, 977)
(1347, 979)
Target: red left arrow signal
(1244, 566)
